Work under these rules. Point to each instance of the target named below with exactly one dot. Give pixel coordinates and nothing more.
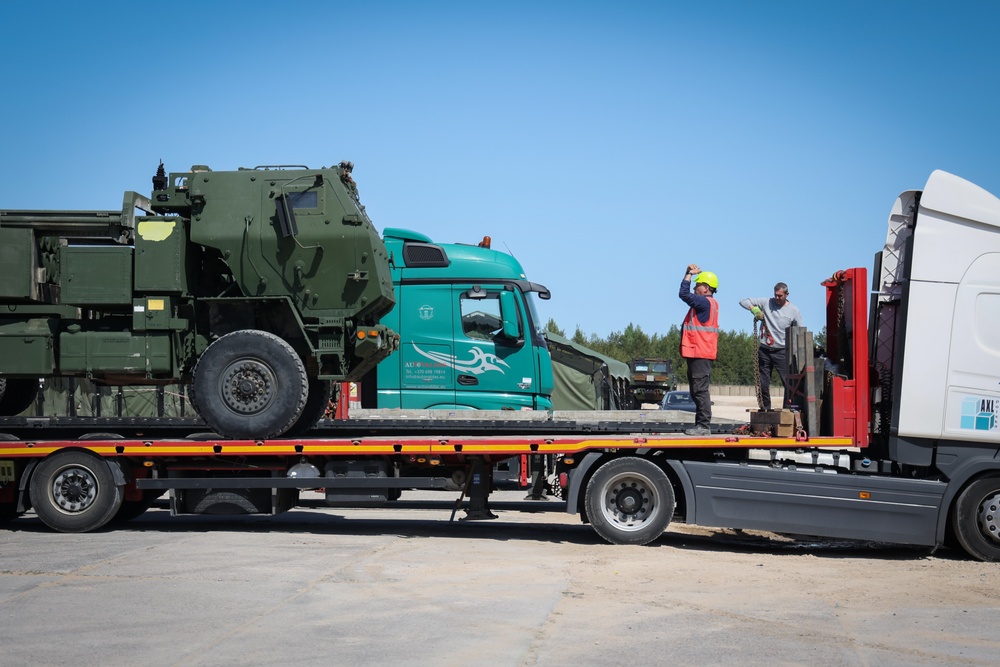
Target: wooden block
(783, 430)
(779, 423)
(773, 417)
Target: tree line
(734, 364)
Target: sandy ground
(733, 407)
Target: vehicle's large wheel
(630, 501)
(249, 384)
(17, 395)
(74, 492)
(975, 517)
(320, 393)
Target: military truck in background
(651, 380)
(258, 287)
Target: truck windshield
(535, 325)
(531, 291)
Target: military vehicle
(651, 380)
(260, 287)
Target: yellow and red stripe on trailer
(416, 445)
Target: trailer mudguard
(811, 502)
(578, 478)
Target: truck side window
(481, 317)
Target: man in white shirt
(776, 314)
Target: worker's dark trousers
(772, 357)
(699, 371)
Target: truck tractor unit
(470, 335)
(259, 287)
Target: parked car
(677, 400)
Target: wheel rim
(74, 489)
(630, 502)
(989, 517)
(248, 386)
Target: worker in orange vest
(700, 341)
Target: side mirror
(508, 312)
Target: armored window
(304, 200)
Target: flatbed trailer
(90, 482)
(903, 442)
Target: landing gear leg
(537, 490)
(478, 489)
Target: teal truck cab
(470, 335)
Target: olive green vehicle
(651, 380)
(260, 287)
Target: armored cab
(259, 287)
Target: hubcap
(630, 502)
(74, 489)
(989, 517)
(248, 386)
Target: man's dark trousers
(699, 372)
(768, 358)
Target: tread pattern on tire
(320, 393)
(244, 427)
(17, 395)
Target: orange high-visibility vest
(701, 341)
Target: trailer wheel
(320, 393)
(74, 492)
(249, 384)
(629, 501)
(975, 516)
(17, 395)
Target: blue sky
(606, 145)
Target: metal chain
(756, 366)
(841, 330)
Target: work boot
(698, 430)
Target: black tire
(17, 395)
(320, 393)
(224, 503)
(975, 517)
(249, 384)
(629, 500)
(74, 492)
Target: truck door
(974, 363)
(427, 368)
(494, 370)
